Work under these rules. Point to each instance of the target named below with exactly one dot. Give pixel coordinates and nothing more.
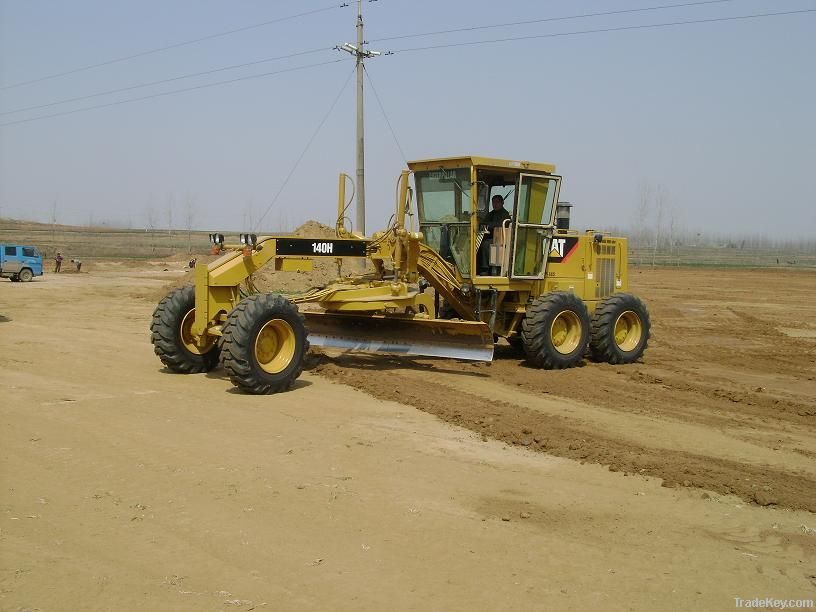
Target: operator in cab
(497, 216)
(492, 220)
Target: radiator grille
(605, 269)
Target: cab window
(444, 203)
(536, 197)
(443, 196)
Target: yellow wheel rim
(275, 346)
(197, 346)
(565, 332)
(628, 331)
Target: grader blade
(469, 340)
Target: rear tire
(555, 331)
(25, 275)
(171, 338)
(620, 329)
(264, 344)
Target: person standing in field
(58, 262)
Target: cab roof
(480, 162)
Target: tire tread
(602, 346)
(535, 330)
(237, 343)
(165, 334)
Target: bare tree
(171, 203)
(151, 218)
(660, 207)
(672, 226)
(189, 218)
(53, 220)
(249, 216)
(642, 219)
(283, 222)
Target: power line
(175, 45)
(547, 19)
(385, 115)
(598, 31)
(306, 148)
(174, 91)
(169, 80)
(312, 51)
(405, 50)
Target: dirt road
(127, 487)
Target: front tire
(620, 329)
(25, 275)
(555, 331)
(264, 344)
(171, 335)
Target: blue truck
(19, 262)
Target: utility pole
(361, 54)
(360, 124)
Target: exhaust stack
(562, 215)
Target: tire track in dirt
(519, 425)
(659, 387)
(718, 364)
(690, 436)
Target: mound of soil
(314, 229)
(267, 280)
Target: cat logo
(557, 248)
(561, 249)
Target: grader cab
(448, 278)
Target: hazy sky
(722, 116)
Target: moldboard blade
(396, 335)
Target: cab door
(534, 224)
(32, 259)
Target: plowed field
(682, 482)
(725, 398)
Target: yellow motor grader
(444, 280)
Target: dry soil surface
(724, 400)
(127, 487)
